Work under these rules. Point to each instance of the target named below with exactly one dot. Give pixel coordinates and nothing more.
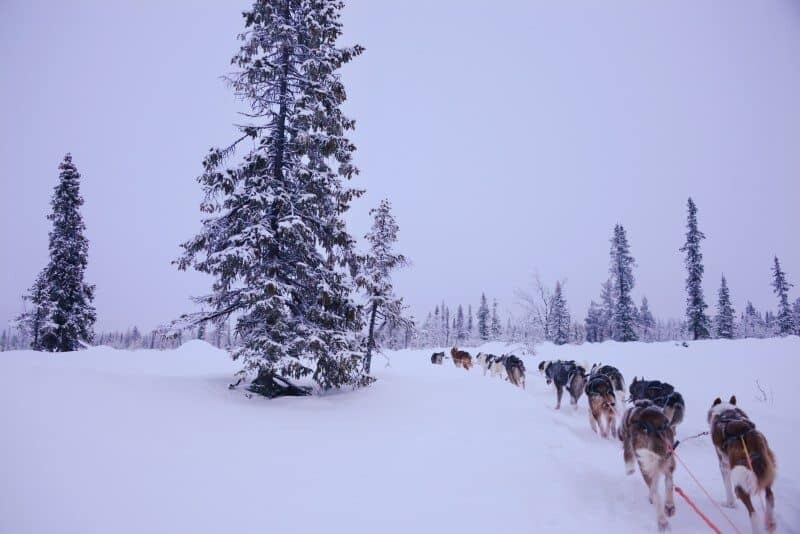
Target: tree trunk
(370, 338)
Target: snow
(153, 441)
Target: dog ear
(716, 401)
(733, 400)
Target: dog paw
(663, 525)
(669, 508)
(771, 526)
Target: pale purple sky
(510, 136)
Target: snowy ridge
(150, 441)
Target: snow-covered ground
(115, 441)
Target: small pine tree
(752, 325)
(606, 317)
(697, 320)
(495, 330)
(461, 333)
(724, 319)
(470, 326)
(375, 276)
(780, 285)
(594, 323)
(647, 322)
(483, 319)
(559, 318)
(621, 270)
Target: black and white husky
(661, 394)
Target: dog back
(736, 436)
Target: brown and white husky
(647, 436)
(602, 405)
(745, 460)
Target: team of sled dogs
(647, 428)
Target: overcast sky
(510, 136)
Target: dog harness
(745, 427)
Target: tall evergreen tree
(697, 320)
(63, 315)
(559, 318)
(375, 276)
(495, 330)
(274, 237)
(622, 277)
(470, 326)
(780, 285)
(647, 322)
(483, 319)
(724, 319)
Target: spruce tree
(495, 330)
(594, 323)
(274, 237)
(796, 316)
(559, 318)
(780, 285)
(483, 319)
(470, 326)
(724, 319)
(35, 322)
(375, 276)
(607, 302)
(697, 320)
(621, 270)
(63, 315)
(647, 322)
(752, 323)
(461, 332)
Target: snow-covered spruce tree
(559, 318)
(647, 322)
(796, 316)
(62, 299)
(495, 330)
(470, 326)
(35, 322)
(594, 323)
(723, 322)
(697, 321)
(780, 285)
(274, 237)
(461, 332)
(624, 323)
(375, 277)
(607, 303)
(483, 319)
(752, 325)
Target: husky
(569, 375)
(602, 405)
(461, 358)
(662, 394)
(486, 361)
(614, 375)
(498, 367)
(515, 369)
(648, 437)
(437, 358)
(746, 462)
